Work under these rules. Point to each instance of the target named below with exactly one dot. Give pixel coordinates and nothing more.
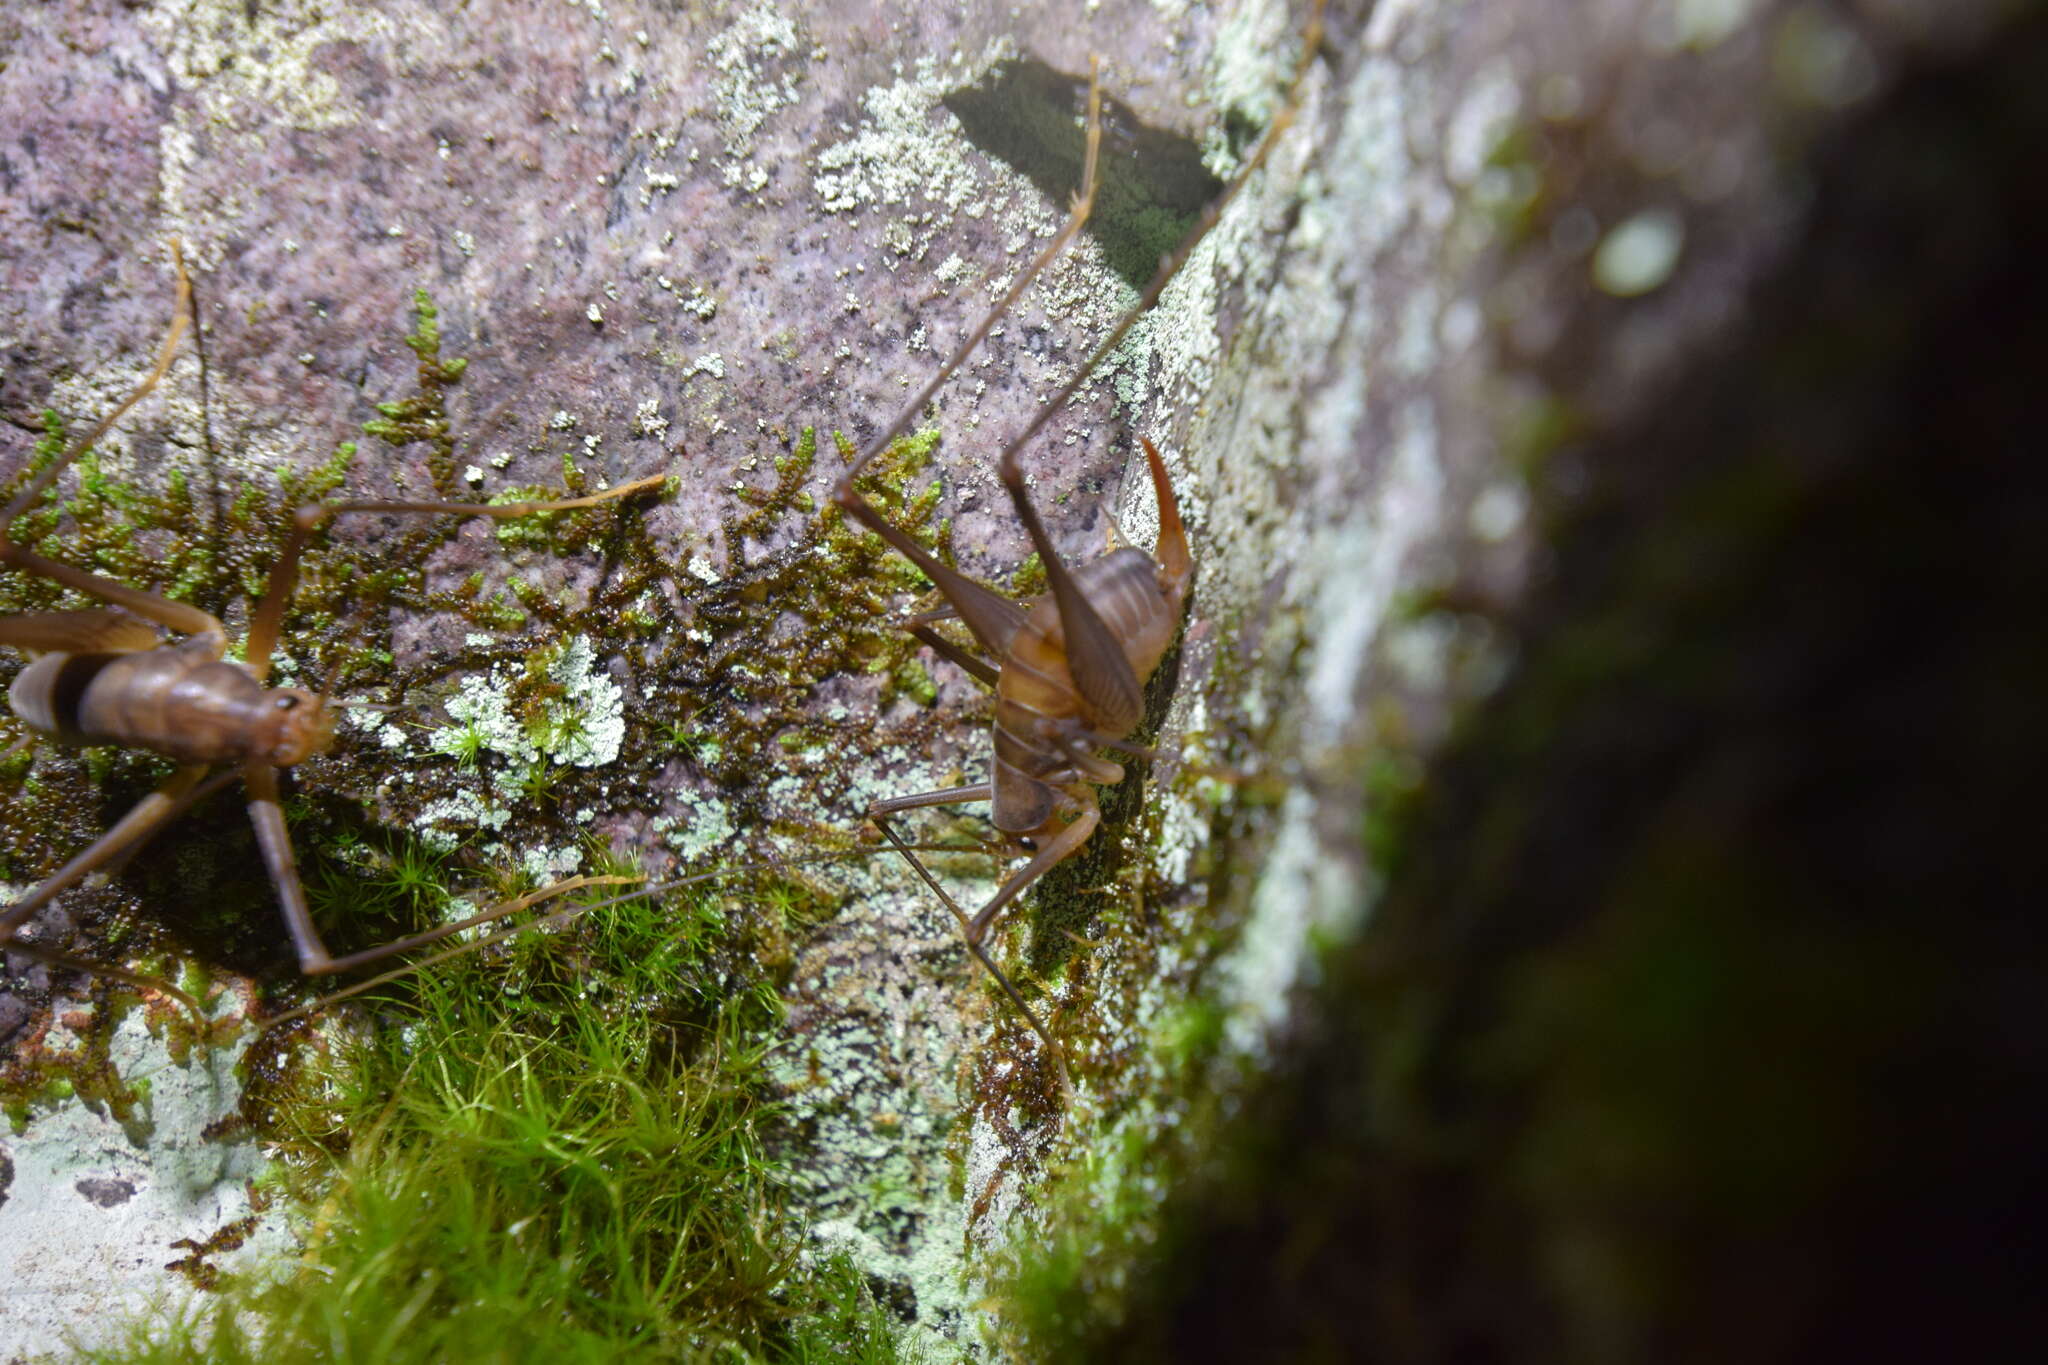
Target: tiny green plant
(553, 1150)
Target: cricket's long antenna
(554, 920)
(1083, 205)
(1170, 264)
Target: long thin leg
(1054, 851)
(186, 620)
(946, 649)
(85, 964)
(1083, 204)
(266, 621)
(1101, 674)
(175, 615)
(149, 815)
(78, 632)
(496, 912)
(973, 939)
(991, 617)
(275, 842)
(974, 930)
(944, 796)
(555, 920)
(181, 316)
(1170, 264)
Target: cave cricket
(104, 676)
(1068, 667)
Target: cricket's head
(294, 725)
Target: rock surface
(669, 241)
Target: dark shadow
(1152, 182)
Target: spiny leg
(487, 916)
(261, 778)
(148, 816)
(77, 632)
(70, 962)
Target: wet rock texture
(668, 241)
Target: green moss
(196, 900)
(424, 416)
(620, 1061)
(554, 1152)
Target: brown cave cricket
(103, 676)
(1068, 667)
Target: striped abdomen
(1036, 683)
(183, 704)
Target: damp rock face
(703, 244)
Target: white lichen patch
(746, 97)
(582, 725)
(871, 1083)
(1241, 74)
(173, 409)
(706, 825)
(468, 809)
(908, 148)
(93, 1207)
(237, 102)
(648, 421)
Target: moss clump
(550, 1152)
(424, 416)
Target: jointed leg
(945, 796)
(990, 616)
(78, 632)
(276, 845)
(85, 964)
(1084, 203)
(974, 930)
(181, 316)
(268, 618)
(175, 615)
(946, 649)
(151, 814)
(1101, 674)
(187, 620)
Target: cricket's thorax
(1037, 685)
